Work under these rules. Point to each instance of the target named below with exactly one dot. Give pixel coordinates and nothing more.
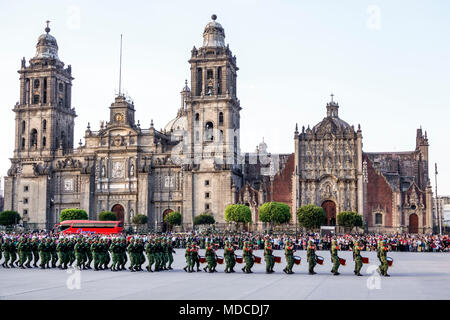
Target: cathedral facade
(191, 166)
(194, 165)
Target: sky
(386, 62)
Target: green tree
(275, 213)
(173, 218)
(9, 218)
(204, 218)
(73, 214)
(349, 219)
(107, 216)
(139, 220)
(311, 216)
(238, 213)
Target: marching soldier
(42, 247)
(28, 252)
(149, 250)
(87, 249)
(195, 257)
(53, 252)
(210, 256)
(79, 253)
(61, 253)
(171, 251)
(132, 254)
(13, 252)
(165, 254)
(334, 257)
(289, 254)
(311, 256)
(95, 249)
(21, 247)
(70, 256)
(268, 256)
(6, 248)
(123, 255)
(248, 257)
(383, 268)
(140, 254)
(357, 257)
(188, 257)
(229, 256)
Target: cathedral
(194, 165)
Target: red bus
(89, 227)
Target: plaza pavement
(413, 276)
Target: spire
(48, 28)
(120, 67)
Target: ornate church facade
(194, 164)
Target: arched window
(197, 117)
(197, 137)
(23, 143)
(36, 83)
(44, 141)
(23, 126)
(219, 80)
(378, 218)
(220, 118)
(60, 87)
(36, 99)
(44, 125)
(33, 138)
(209, 131)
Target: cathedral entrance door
(330, 212)
(119, 211)
(413, 223)
(165, 226)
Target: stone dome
(47, 47)
(214, 34)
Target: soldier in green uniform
(95, 254)
(150, 252)
(13, 252)
(170, 252)
(357, 257)
(87, 248)
(21, 248)
(188, 257)
(43, 253)
(247, 250)
(123, 255)
(384, 266)
(229, 256)
(61, 252)
(289, 254)
(334, 257)
(35, 250)
(268, 256)
(140, 254)
(114, 250)
(311, 256)
(79, 247)
(70, 251)
(29, 252)
(210, 256)
(158, 249)
(6, 248)
(130, 250)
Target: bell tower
(212, 175)
(213, 108)
(44, 115)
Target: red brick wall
(282, 183)
(379, 195)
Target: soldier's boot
(185, 269)
(336, 273)
(204, 269)
(12, 265)
(285, 271)
(232, 270)
(198, 269)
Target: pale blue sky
(390, 76)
